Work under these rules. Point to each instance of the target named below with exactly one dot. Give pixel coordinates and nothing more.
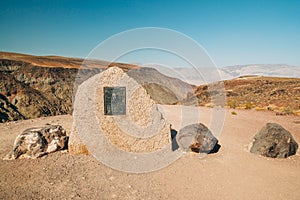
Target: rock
(273, 141)
(8, 111)
(126, 115)
(34, 86)
(36, 142)
(76, 146)
(197, 138)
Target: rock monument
(126, 115)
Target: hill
(262, 93)
(36, 86)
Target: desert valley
(40, 90)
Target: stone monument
(126, 115)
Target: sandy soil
(232, 173)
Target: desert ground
(231, 173)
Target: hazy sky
(232, 32)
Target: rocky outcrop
(8, 111)
(36, 142)
(161, 88)
(273, 141)
(267, 93)
(38, 86)
(34, 91)
(197, 138)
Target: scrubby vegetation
(281, 95)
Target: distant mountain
(208, 75)
(260, 70)
(36, 86)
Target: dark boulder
(273, 141)
(197, 138)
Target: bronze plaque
(114, 100)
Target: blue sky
(232, 32)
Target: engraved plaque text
(114, 100)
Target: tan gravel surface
(232, 173)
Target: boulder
(273, 141)
(36, 142)
(197, 138)
(123, 112)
